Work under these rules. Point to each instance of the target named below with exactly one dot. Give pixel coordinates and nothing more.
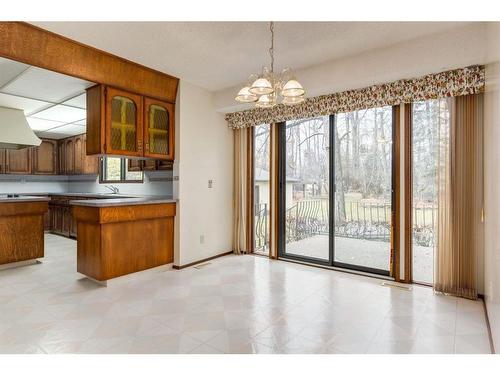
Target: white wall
(455, 48)
(492, 180)
(204, 151)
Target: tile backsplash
(155, 183)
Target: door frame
(394, 244)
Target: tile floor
(236, 304)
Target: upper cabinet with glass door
(120, 123)
(123, 123)
(158, 129)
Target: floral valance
(456, 82)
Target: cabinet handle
(147, 146)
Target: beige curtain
(460, 197)
(240, 194)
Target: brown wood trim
(271, 188)
(250, 187)
(25, 208)
(408, 180)
(35, 46)
(396, 214)
(201, 261)
(120, 214)
(274, 203)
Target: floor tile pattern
(236, 304)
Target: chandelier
(266, 89)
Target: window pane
(363, 193)
(307, 188)
(430, 127)
(113, 169)
(262, 143)
(131, 175)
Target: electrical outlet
(202, 239)
(210, 183)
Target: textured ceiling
(217, 55)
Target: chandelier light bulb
(266, 101)
(261, 86)
(245, 96)
(292, 89)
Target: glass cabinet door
(159, 129)
(124, 123)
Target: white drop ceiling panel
(81, 122)
(39, 124)
(69, 129)
(9, 70)
(62, 113)
(80, 101)
(17, 102)
(43, 84)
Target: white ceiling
(54, 104)
(217, 55)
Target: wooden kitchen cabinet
(78, 154)
(158, 129)
(2, 161)
(73, 157)
(56, 211)
(47, 221)
(90, 163)
(123, 126)
(120, 123)
(61, 158)
(45, 157)
(18, 161)
(69, 155)
(114, 122)
(165, 165)
(135, 165)
(60, 212)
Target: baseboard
(492, 344)
(201, 261)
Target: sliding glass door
(305, 189)
(343, 165)
(363, 194)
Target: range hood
(15, 132)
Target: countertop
(101, 199)
(23, 198)
(86, 195)
(111, 202)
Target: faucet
(114, 189)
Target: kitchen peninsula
(123, 235)
(21, 229)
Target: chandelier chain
(271, 50)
